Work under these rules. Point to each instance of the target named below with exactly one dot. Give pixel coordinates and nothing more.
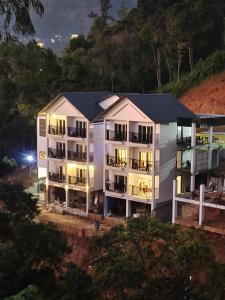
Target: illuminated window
(42, 155)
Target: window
(42, 127)
(42, 155)
(145, 134)
(60, 126)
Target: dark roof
(87, 102)
(161, 108)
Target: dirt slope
(208, 98)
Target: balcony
(80, 156)
(77, 132)
(141, 165)
(186, 141)
(116, 136)
(77, 181)
(140, 138)
(141, 191)
(61, 178)
(116, 161)
(116, 187)
(55, 153)
(56, 130)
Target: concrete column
(174, 202)
(201, 207)
(128, 208)
(210, 140)
(106, 208)
(67, 196)
(87, 168)
(193, 156)
(153, 205)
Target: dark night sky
(64, 17)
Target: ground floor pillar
(128, 208)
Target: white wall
(41, 145)
(167, 169)
(98, 133)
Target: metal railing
(141, 165)
(56, 130)
(116, 161)
(55, 153)
(142, 191)
(78, 181)
(116, 136)
(186, 141)
(61, 178)
(140, 138)
(80, 156)
(116, 187)
(77, 132)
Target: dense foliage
(33, 253)
(150, 260)
(156, 43)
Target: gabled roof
(161, 108)
(85, 102)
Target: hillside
(208, 97)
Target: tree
(17, 14)
(30, 253)
(150, 260)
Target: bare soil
(208, 98)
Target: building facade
(118, 154)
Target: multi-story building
(140, 151)
(120, 151)
(70, 152)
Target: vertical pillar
(193, 156)
(210, 140)
(128, 208)
(153, 205)
(67, 197)
(201, 206)
(87, 168)
(174, 202)
(106, 208)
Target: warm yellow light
(72, 166)
(53, 116)
(66, 187)
(41, 44)
(87, 188)
(74, 36)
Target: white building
(140, 151)
(70, 152)
(121, 152)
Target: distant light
(41, 44)
(30, 158)
(52, 41)
(74, 36)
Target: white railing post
(193, 156)
(201, 205)
(174, 202)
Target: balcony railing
(141, 165)
(61, 178)
(141, 191)
(116, 136)
(77, 132)
(77, 181)
(186, 141)
(56, 130)
(140, 138)
(80, 156)
(116, 187)
(116, 161)
(55, 153)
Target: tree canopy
(16, 15)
